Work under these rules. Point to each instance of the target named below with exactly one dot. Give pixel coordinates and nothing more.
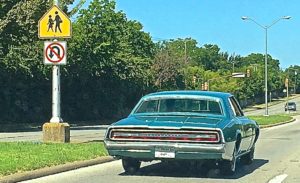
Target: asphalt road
(275, 109)
(276, 160)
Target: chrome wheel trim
(233, 161)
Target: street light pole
(295, 82)
(266, 27)
(266, 74)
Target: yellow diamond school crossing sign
(55, 24)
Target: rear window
(180, 105)
(291, 103)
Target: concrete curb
(53, 170)
(277, 124)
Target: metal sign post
(56, 118)
(55, 54)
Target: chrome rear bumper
(146, 150)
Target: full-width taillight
(178, 136)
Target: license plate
(164, 153)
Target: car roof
(222, 95)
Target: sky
(219, 22)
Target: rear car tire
(248, 158)
(228, 167)
(130, 165)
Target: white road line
(278, 179)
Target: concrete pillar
(56, 132)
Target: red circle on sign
(57, 55)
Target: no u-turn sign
(55, 53)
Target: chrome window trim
(232, 108)
(208, 98)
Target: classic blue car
(194, 126)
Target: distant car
(191, 126)
(290, 106)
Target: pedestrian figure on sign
(58, 21)
(50, 23)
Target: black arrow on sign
(52, 50)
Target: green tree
(21, 48)
(109, 62)
(114, 60)
(166, 71)
(210, 57)
(171, 63)
(292, 73)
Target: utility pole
(185, 54)
(233, 62)
(185, 62)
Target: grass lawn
(272, 119)
(23, 156)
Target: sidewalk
(31, 127)
(77, 133)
